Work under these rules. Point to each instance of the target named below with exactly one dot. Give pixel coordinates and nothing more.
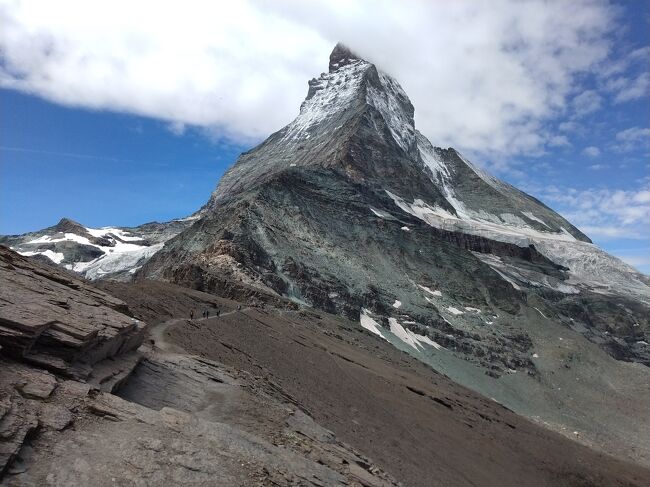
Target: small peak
(66, 225)
(342, 55)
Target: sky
(118, 113)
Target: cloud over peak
(240, 69)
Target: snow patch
(127, 252)
(454, 311)
(118, 232)
(506, 278)
(369, 323)
(116, 260)
(541, 314)
(433, 293)
(378, 213)
(437, 166)
(504, 228)
(55, 257)
(410, 338)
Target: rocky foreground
(102, 390)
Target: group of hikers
(206, 313)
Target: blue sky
(109, 122)
(99, 168)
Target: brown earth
(416, 424)
(178, 420)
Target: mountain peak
(342, 55)
(66, 225)
(358, 120)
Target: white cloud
(176, 128)
(570, 126)
(642, 197)
(483, 75)
(633, 138)
(637, 260)
(591, 151)
(586, 102)
(629, 89)
(559, 141)
(604, 213)
(627, 78)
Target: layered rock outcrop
(55, 320)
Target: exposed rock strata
(55, 320)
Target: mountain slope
(109, 252)
(349, 209)
(208, 402)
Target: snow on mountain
(329, 94)
(97, 252)
(410, 338)
(391, 101)
(56, 257)
(123, 257)
(587, 264)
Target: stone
(58, 321)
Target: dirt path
(159, 332)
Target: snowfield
(115, 261)
(126, 251)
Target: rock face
(54, 320)
(163, 442)
(55, 329)
(110, 253)
(351, 210)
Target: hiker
(191, 314)
(207, 313)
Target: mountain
(350, 210)
(109, 252)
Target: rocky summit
(378, 311)
(350, 210)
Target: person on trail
(207, 313)
(191, 314)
